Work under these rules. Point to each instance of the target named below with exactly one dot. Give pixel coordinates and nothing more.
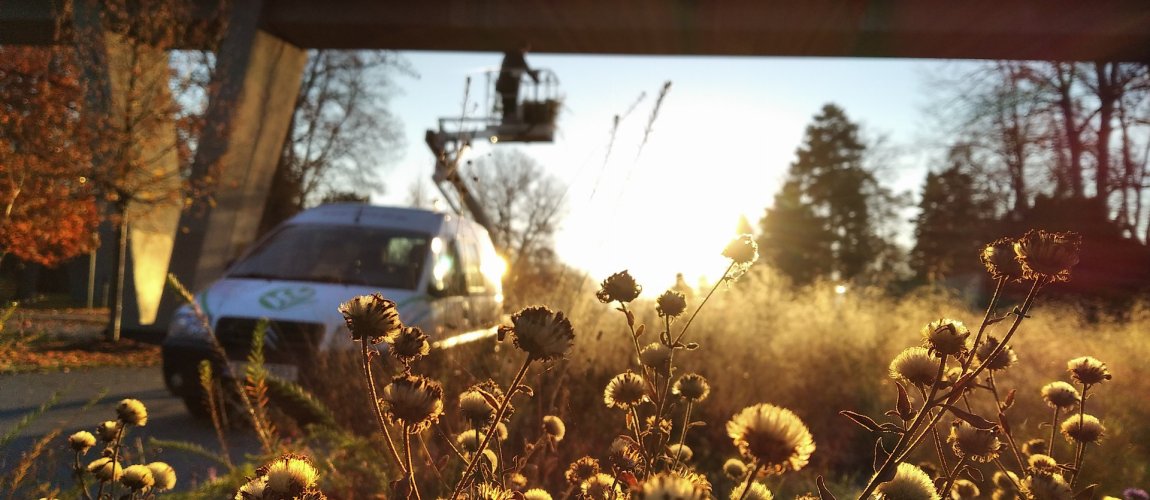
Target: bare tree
(341, 132)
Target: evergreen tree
(948, 227)
(823, 223)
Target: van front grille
(284, 341)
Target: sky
(718, 149)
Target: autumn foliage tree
(49, 206)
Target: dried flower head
(658, 357)
(692, 387)
(544, 335)
(1046, 486)
(516, 481)
(290, 476)
(601, 487)
(680, 451)
(1036, 446)
(742, 250)
(581, 470)
(915, 366)
(671, 303)
(500, 430)
(999, 259)
(1005, 481)
(669, 486)
(536, 494)
(81, 441)
(371, 317)
(137, 477)
(978, 445)
(619, 286)
(627, 389)
(492, 491)
(413, 401)
(164, 475)
(253, 489)
(757, 491)
(108, 430)
(909, 483)
(1047, 254)
(772, 436)
(964, 489)
(408, 345)
(132, 412)
(1085, 428)
(553, 426)
(1042, 463)
(625, 454)
(1005, 359)
(105, 469)
(469, 441)
(946, 337)
(486, 459)
(1060, 395)
(475, 408)
(1088, 371)
(734, 469)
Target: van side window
(447, 278)
(476, 284)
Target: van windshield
(351, 255)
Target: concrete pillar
(255, 86)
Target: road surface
(22, 394)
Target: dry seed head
(371, 317)
(1042, 463)
(290, 476)
(735, 469)
(624, 454)
(1046, 486)
(619, 286)
(581, 470)
(469, 441)
(627, 389)
(909, 483)
(978, 445)
(669, 486)
(516, 481)
(772, 436)
(408, 345)
(1005, 481)
(946, 336)
(601, 487)
(487, 458)
(658, 357)
(475, 408)
(253, 489)
(692, 387)
(553, 426)
(81, 441)
(1084, 428)
(1000, 260)
(1047, 254)
(415, 402)
(742, 250)
(108, 430)
(544, 335)
(492, 491)
(1060, 395)
(1036, 446)
(137, 477)
(682, 451)
(964, 489)
(671, 303)
(915, 366)
(1088, 370)
(699, 480)
(1002, 361)
(758, 491)
(164, 474)
(105, 469)
(132, 412)
(536, 494)
(501, 431)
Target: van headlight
(186, 325)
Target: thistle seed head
(371, 317)
(1088, 370)
(1045, 254)
(108, 430)
(666, 485)
(671, 304)
(742, 250)
(81, 441)
(1060, 395)
(964, 489)
(581, 470)
(105, 469)
(164, 475)
(553, 426)
(734, 469)
(619, 287)
(658, 357)
(978, 445)
(627, 389)
(1000, 261)
(536, 494)
(1002, 361)
(544, 335)
(909, 483)
(137, 477)
(682, 451)
(758, 491)
(132, 412)
(1046, 486)
(772, 436)
(475, 408)
(601, 487)
(946, 337)
(415, 402)
(915, 366)
(692, 387)
(1084, 428)
(409, 344)
(290, 476)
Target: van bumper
(181, 364)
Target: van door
(448, 286)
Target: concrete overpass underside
(263, 54)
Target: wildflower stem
(894, 458)
(431, 461)
(683, 435)
(407, 456)
(985, 320)
(1053, 432)
(1080, 450)
(498, 416)
(1006, 473)
(703, 303)
(375, 405)
(750, 479)
(1002, 411)
(945, 491)
(79, 472)
(638, 349)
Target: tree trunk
(116, 290)
(1107, 77)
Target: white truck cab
(440, 269)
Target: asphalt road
(22, 394)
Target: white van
(440, 269)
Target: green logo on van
(287, 297)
